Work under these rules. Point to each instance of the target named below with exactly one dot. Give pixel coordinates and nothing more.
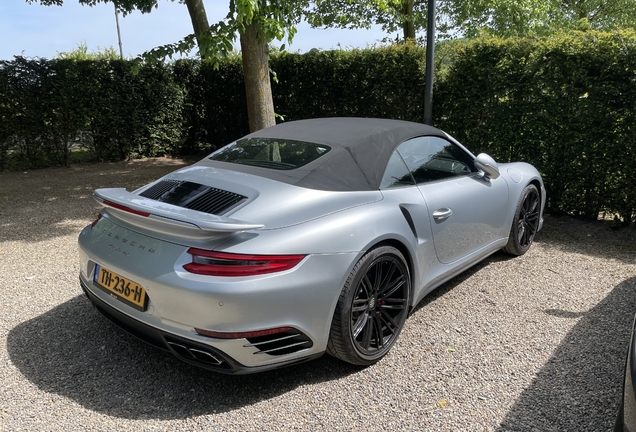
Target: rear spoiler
(151, 214)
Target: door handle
(441, 214)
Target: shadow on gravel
(48, 203)
(75, 352)
(460, 278)
(592, 238)
(591, 356)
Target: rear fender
(350, 233)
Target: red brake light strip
(125, 208)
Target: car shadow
(591, 356)
(73, 351)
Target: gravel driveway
(530, 343)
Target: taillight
(125, 208)
(99, 216)
(241, 335)
(227, 264)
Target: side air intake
(280, 343)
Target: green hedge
(215, 111)
(386, 82)
(566, 104)
(48, 107)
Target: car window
(397, 173)
(433, 158)
(279, 154)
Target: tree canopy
(256, 22)
(522, 17)
(470, 17)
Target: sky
(33, 30)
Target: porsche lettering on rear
(125, 241)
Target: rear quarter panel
(350, 233)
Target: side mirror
(485, 163)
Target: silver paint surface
(333, 229)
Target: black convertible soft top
(360, 151)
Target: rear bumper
(187, 350)
(306, 309)
(178, 302)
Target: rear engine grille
(280, 343)
(215, 201)
(194, 196)
(154, 192)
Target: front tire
(526, 222)
(372, 307)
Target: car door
(466, 212)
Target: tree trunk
(260, 104)
(408, 25)
(199, 23)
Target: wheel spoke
(386, 297)
(377, 277)
(359, 305)
(379, 334)
(532, 217)
(386, 278)
(529, 218)
(367, 285)
(360, 324)
(394, 304)
(521, 231)
(389, 323)
(530, 203)
(367, 333)
(392, 284)
(527, 204)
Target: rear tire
(372, 308)
(526, 222)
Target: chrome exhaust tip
(194, 354)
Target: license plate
(120, 287)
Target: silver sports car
(309, 236)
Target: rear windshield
(279, 154)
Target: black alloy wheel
(526, 222)
(372, 308)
